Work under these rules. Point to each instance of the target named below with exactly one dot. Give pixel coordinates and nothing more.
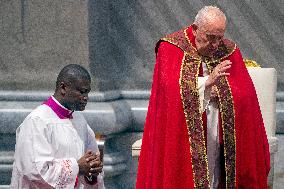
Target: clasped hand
(219, 71)
(90, 164)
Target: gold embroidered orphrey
(190, 98)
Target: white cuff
(98, 185)
(204, 93)
(69, 172)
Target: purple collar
(61, 111)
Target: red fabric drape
(253, 158)
(165, 158)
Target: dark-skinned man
(55, 147)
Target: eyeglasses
(213, 38)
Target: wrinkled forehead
(215, 26)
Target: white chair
(265, 83)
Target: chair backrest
(265, 83)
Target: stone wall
(37, 38)
(116, 39)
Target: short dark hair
(72, 73)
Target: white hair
(208, 13)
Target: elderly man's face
(209, 36)
(76, 97)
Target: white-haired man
(204, 128)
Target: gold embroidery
(186, 36)
(191, 104)
(169, 40)
(226, 105)
(192, 109)
(229, 54)
(251, 63)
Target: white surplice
(212, 115)
(47, 150)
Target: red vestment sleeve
(165, 161)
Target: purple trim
(60, 112)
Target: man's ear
(194, 29)
(63, 88)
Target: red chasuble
(173, 154)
